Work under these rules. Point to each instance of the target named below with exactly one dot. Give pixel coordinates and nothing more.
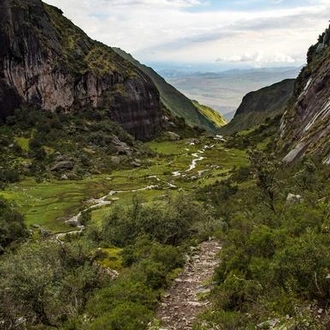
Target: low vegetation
(273, 222)
(274, 268)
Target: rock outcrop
(50, 63)
(305, 127)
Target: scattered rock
(136, 163)
(74, 221)
(63, 165)
(292, 199)
(115, 160)
(121, 147)
(181, 303)
(269, 324)
(44, 233)
(173, 136)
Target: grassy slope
(80, 53)
(211, 114)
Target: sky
(222, 33)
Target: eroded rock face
(305, 127)
(48, 62)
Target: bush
(126, 316)
(12, 227)
(46, 283)
(169, 222)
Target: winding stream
(102, 201)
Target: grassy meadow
(48, 204)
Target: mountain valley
(125, 205)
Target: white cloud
(259, 58)
(167, 30)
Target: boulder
(292, 198)
(115, 160)
(63, 165)
(173, 136)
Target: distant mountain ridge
(224, 91)
(259, 105)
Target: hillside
(305, 125)
(215, 117)
(172, 99)
(259, 105)
(99, 230)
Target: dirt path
(182, 303)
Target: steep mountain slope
(215, 117)
(49, 63)
(256, 106)
(171, 98)
(305, 126)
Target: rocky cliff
(48, 62)
(305, 127)
(259, 105)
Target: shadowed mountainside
(259, 105)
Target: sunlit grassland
(111, 259)
(172, 147)
(49, 204)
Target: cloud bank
(253, 32)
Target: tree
(264, 168)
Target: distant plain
(223, 91)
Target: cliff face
(259, 105)
(48, 62)
(305, 127)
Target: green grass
(171, 147)
(112, 259)
(211, 114)
(49, 204)
(23, 143)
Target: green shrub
(12, 227)
(126, 316)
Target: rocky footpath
(185, 299)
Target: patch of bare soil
(182, 301)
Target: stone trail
(181, 303)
